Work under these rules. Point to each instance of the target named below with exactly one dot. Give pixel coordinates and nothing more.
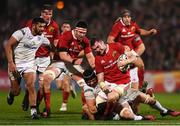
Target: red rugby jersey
(126, 35)
(108, 65)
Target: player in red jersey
(69, 46)
(110, 61)
(51, 31)
(126, 32)
(72, 46)
(63, 83)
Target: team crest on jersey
(114, 53)
(51, 29)
(133, 28)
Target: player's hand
(106, 89)
(12, 67)
(78, 61)
(153, 31)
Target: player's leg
(65, 92)
(141, 73)
(144, 98)
(30, 78)
(41, 64)
(15, 87)
(48, 76)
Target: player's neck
(107, 48)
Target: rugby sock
(65, 95)
(159, 107)
(140, 76)
(11, 94)
(47, 101)
(39, 97)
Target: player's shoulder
(67, 34)
(24, 30)
(118, 23)
(115, 44)
(86, 39)
(54, 24)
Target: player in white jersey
(28, 40)
(96, 102)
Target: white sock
(159, 107)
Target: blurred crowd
(162, 50)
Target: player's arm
(91, 59)
(66, 57)
(9, 53)
(114, 33)
(140, 49)
(110, 39)
(144, 32)
(81, 54)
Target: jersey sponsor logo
(31, 45)
(127, 36)
(110, 65)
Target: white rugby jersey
(27, 47)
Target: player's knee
(149, 100)
(49, 75)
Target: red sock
(82, 97)
(47, 101)
(141, 77)
(39, 97)
(65, 95)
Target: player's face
(80, 33)
(127, 19)
(65, 27)
(39, 28)
(47, 15)
(92, 83)
(99, 47)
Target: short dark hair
(93, 39)
(82, 24)
(66, 22)
(89, 74)
(38, 20)
(125, 12)
(46, 7)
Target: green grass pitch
(14, 115)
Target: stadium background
(162, 55)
